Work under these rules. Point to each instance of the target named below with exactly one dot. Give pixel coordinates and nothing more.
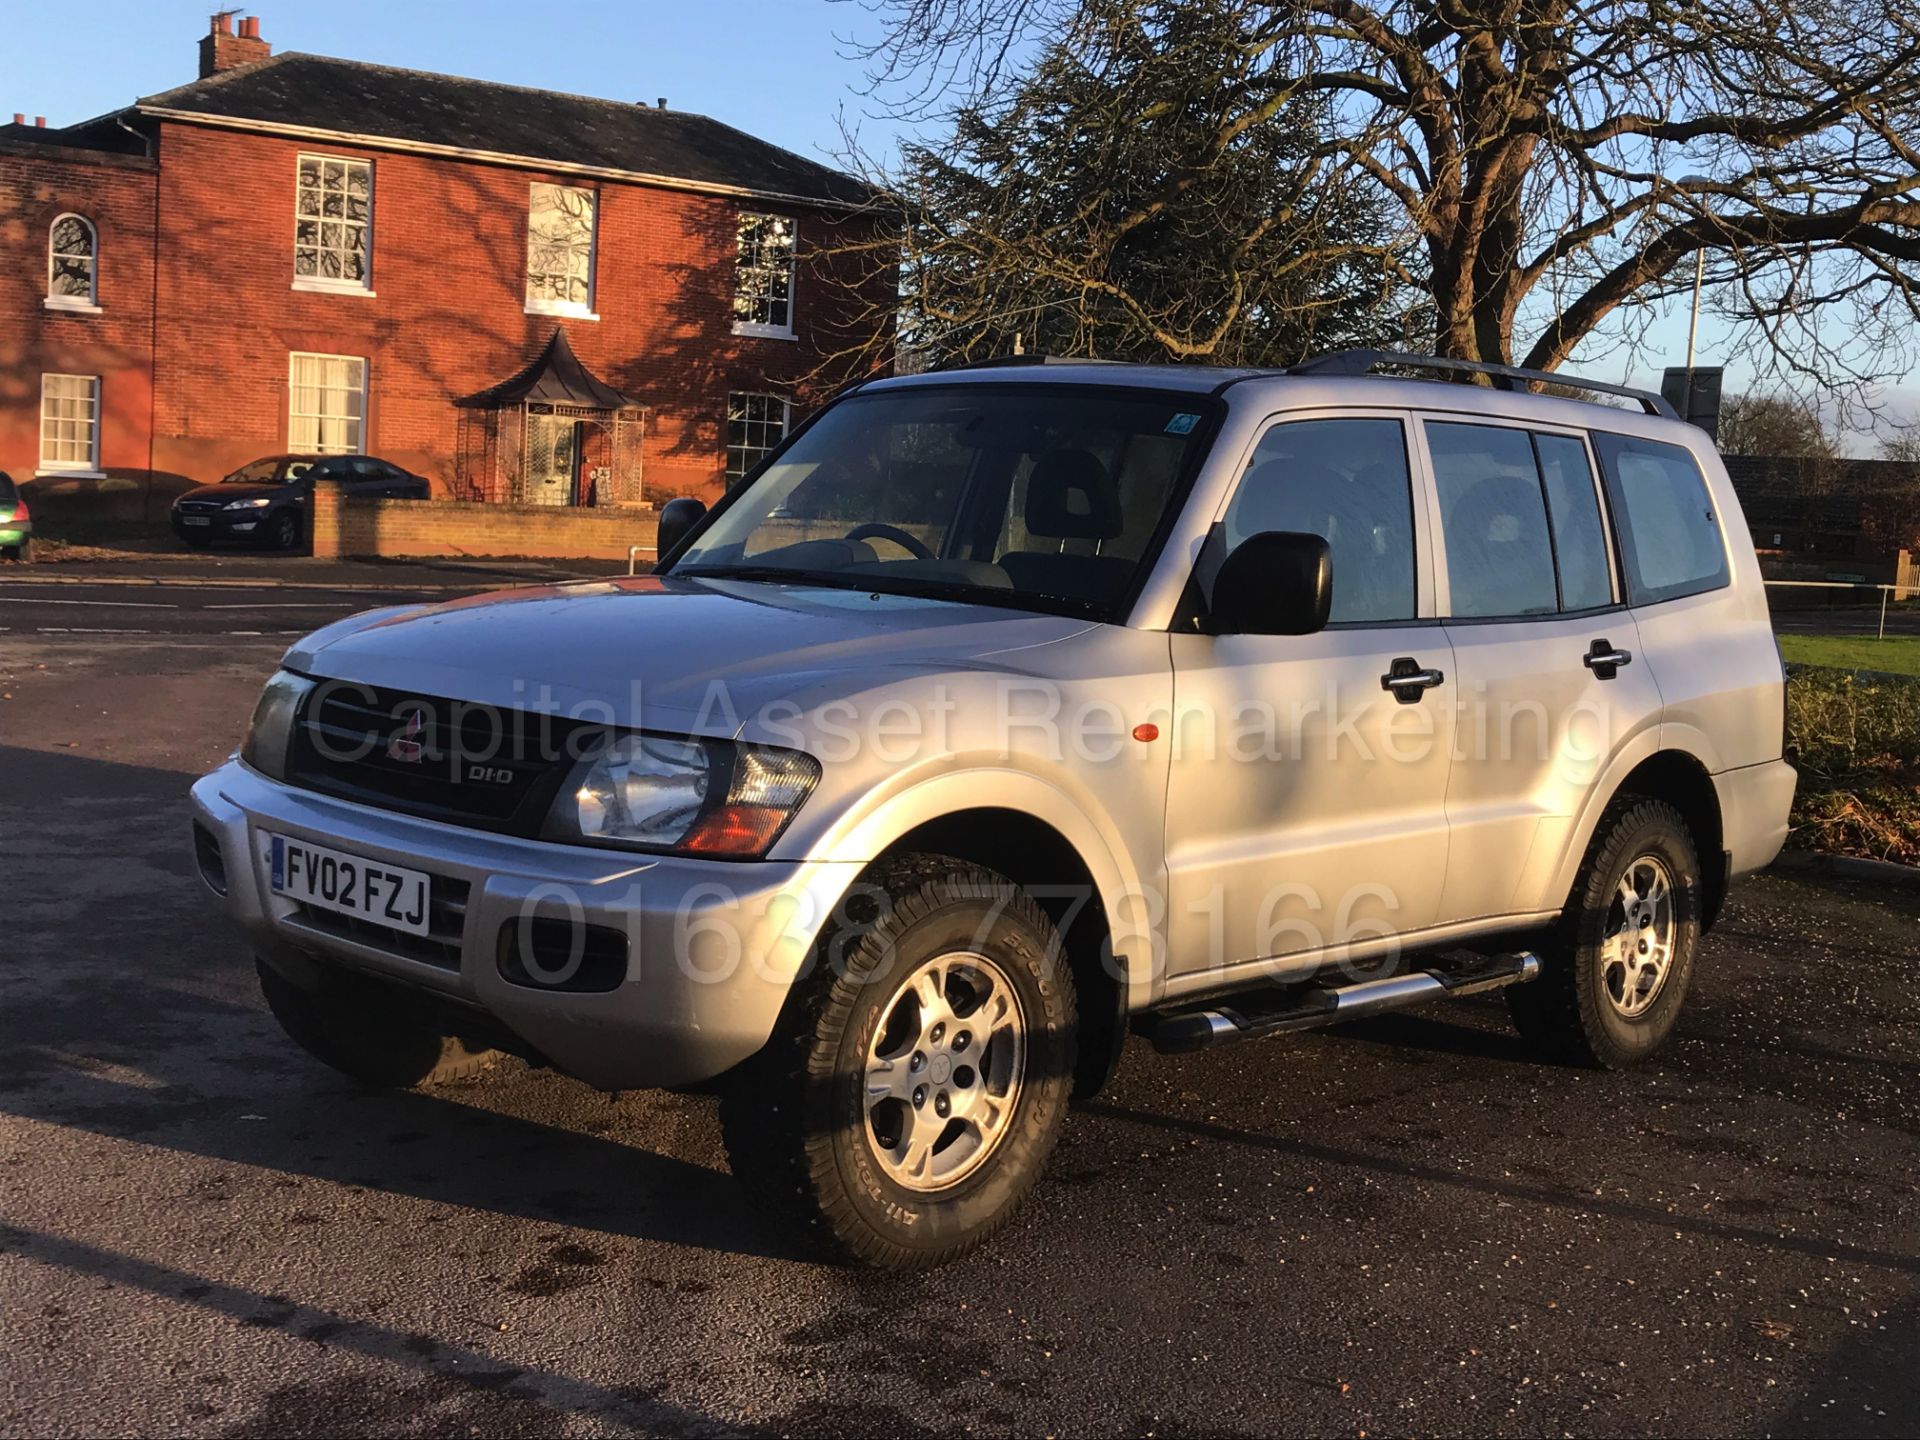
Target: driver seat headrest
(1070, 496)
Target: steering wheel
(876, 530)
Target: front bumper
(713, 947)
(223, 524)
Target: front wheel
(1616, 972)
(919, 1081)
(284, 532)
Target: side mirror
(677, 519)
(1279, 582)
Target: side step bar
(1303, 1007)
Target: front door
(1306, 805)
(553, 459)
(1551, 676)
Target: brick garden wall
(359, 528)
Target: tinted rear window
(8, 495)
(1670, 541)
(1494, 521)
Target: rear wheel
(919, 1081)
(21, 553)
(368, 1032)
(1616, 972)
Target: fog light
(548, 953)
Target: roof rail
(1508, 377)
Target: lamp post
(1699, 278)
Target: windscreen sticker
(1183, 423)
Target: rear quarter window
(1670, 541)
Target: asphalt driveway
(1405, 1225)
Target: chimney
(661, 103)
(221, 49)
(39, 122)
(19, 117)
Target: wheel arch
(1047, 865)
(1679, 778)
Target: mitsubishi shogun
(1007, 710)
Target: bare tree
(1559, 164)
(1776, 425)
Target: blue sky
(776, 68)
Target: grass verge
(1897, 654)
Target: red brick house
(522, 294)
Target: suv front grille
(446, 760)
(446, 925)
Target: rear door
(1306, 799)
(1551, 679)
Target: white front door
(553, 452)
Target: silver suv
(1005, 710)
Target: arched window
(72, 263)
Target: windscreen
(1043, 496)
(258, 472)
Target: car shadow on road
(131, 1012)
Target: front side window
(327, 406)
(560, 235)
(755, 425)
(332, 222)
(69, 422)
(763, 276)
(1670, 541)
(72, 261)
(1494, 520)
(1346, 480)
(1039, 497)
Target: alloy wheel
(944, 1070)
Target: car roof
(1256, 387)
(1053, 371)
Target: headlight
(259, 502)
(705, 797)
(271, 728)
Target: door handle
(1604, 660)
(1408, 680)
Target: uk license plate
(196, 519)
(350, 884)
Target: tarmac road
(1404, 1225)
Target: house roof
(556, 376)
(316, 94)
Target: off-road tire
(794, 1117)
(1567, 1013)
(356, 1027)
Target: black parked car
(264, 502)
